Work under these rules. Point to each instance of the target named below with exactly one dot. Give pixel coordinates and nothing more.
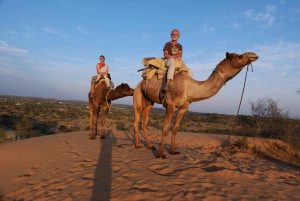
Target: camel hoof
(152, 148)
(175, 153)
(92, 138)
(102, 137)
(138, 146)
(162, 157)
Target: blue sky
(50, 48)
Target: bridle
(248, 63)
(215, 71)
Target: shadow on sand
(101, 190)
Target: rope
(223, 147)
(240, 99)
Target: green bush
(121, 126)
(2, 136)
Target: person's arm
(166, 54)
(97, 68)
(178, 56)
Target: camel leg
(169, 114)
(180, 114)
(138, 105)
(91, 118)
(146, 112)
(105, 111)
(93, 121)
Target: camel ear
(227, 55)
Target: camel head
(234, 63)
(241, 60)
(124, 89)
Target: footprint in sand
(28, 174)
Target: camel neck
(209, 87)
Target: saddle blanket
(108, 82)
(161, 67)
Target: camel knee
(145, 127)
(136, 126)
(175, 130)
(165, 132)
(139, 109)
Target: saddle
(157, 66)
(101, 78)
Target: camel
(103, 97)
(183, 90)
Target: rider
(102, 69)
(172, 51)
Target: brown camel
(183, 90)
(103, 97)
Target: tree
(269, 117)
(23, 126)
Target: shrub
(241, 143)
(270, 119)
(64, 128)
(32, 133)
(120, 126)
(75, 129)
(2, 136)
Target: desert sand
(69, 166)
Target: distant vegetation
(25, 117)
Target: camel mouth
(251, 56)
(252, 59)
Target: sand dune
(70, 167)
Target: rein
(223, 148)
(249, 63)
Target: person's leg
(93, 83)
(92, 89)
(170, 74)
(107, 80)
